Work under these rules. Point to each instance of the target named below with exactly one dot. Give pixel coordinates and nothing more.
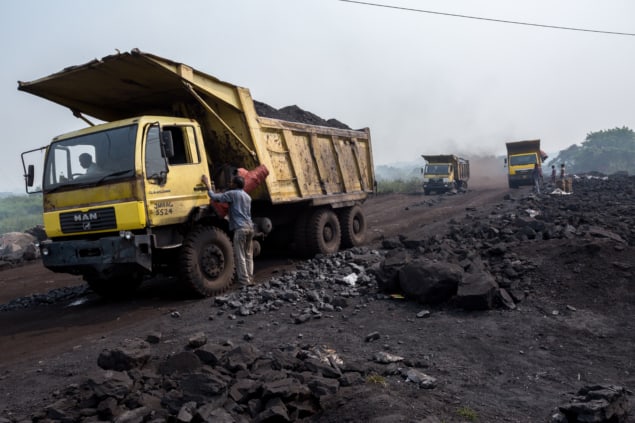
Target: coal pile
(476, 263)
(296, 114)
(203, 383)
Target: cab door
(173, 184)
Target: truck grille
(91, 220)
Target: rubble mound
(204, 383)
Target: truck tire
(324, 234)
(353, 225)
(207, 261)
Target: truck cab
(144, 180)
(444, 173)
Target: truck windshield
(91, 158)
(524, 159)
(438, 169)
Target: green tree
(607, 151)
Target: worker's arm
(221, 198)
(205, 181)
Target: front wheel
(207, 261)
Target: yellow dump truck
(521, 158)
(123, 198)
(444, 173)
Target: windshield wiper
(70, 185)
(74, 184)
(110, 175)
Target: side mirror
(167, 143)
(30, 175)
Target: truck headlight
(126, 234)
(44, 251)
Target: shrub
(20, 212)
(399, 186)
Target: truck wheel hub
(212, 261)
(327, 233)
(356, 226)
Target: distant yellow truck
(444, 173)
(143, 209)
(522, 156)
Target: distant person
(562, 171)
(553, 174)
(536, 175)
(86, 161)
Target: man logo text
(85, 217)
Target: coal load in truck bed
(296, 114)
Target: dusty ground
(575, 326)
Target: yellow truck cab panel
(522, 156)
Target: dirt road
(61, 326)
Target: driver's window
(59, 168)
(155, 163)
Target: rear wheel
(207, 261)
(353, 225)
(324, 235)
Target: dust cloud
(487, 172)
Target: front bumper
(521, 179)
(96, 256)
(438, 186)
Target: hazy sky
(422, 82)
